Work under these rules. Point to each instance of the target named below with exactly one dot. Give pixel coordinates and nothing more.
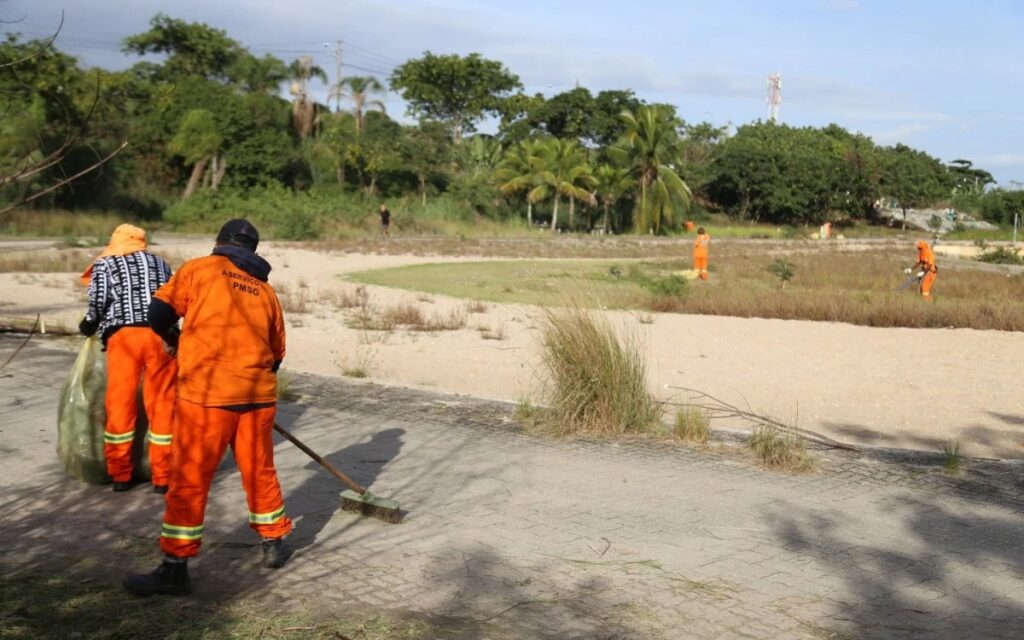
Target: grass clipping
(593, 381)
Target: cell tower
(774, 96)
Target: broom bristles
(372, 506)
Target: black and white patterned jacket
(120, 291)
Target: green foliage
(198, 136)
(650, 147)
(1001, 255)
(782, 270)
(192, 49)
(912, 177)
(458, 90)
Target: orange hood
(125, 239)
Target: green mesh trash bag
(82, 416)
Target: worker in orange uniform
(700, 254)
(926, 269)
(231, 344)
(121, 284)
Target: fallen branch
(720, 410)
(26, 325)
(31, 333)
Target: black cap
(240, 233)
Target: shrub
(693, 424)
(1001, 255)
(780, 450)
(952, 459)
(594, 382)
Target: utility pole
(335, 91)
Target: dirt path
(913, 388)
(513, 536)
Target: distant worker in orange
(689, 226)
(926, 269)
(121, 284)
(700, 254)
(231, 344)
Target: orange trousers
(134, 354)
(201, 436)
(926, 285)
(700, 265)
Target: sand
(912, 388)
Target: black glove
(88, 327)
(274, 367)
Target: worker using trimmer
(925, 268)
(231, 344)
(121, 284)
(700, 254)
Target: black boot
(169, 579)
(160, 488)
(122, 486)
(275, 553)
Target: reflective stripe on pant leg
(124, 367)
(159, 386)
(254, 453)
(201, 435)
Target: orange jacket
(700, 246)
(926, 257)
(232, 334)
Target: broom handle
(347, 481)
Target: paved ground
(514, 536)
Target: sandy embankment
(895, 387)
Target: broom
(356, 498)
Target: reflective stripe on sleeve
(266, 518)
(118, 438)
(181, 533)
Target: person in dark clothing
(385, 220)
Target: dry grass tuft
(403, 314)
(594, 382)
(475, 306)
(293, 300)
(452, 321)
(692, 424)
(492, 333)
(781, 450)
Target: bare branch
(68, 180)
(43, 47)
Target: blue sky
(942, 76)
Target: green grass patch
(824, 284)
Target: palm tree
(520, 171)
(566, 172)
(650, 147)
(359, 88)
(612, 184)
(300, 72)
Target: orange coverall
(926, 260)
(134, 353)
(700, 255)
(232, 336)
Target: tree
(520, 172)
(425, 149)
(192, 49)
(913, 178)
(968, 179)
(359, 88)
(198, 142)
(475, 162)
(454, 89)
(611, 184)
(300, 72)
(259, 75)
(566, 172)
(651, 149)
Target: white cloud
(902, 133)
